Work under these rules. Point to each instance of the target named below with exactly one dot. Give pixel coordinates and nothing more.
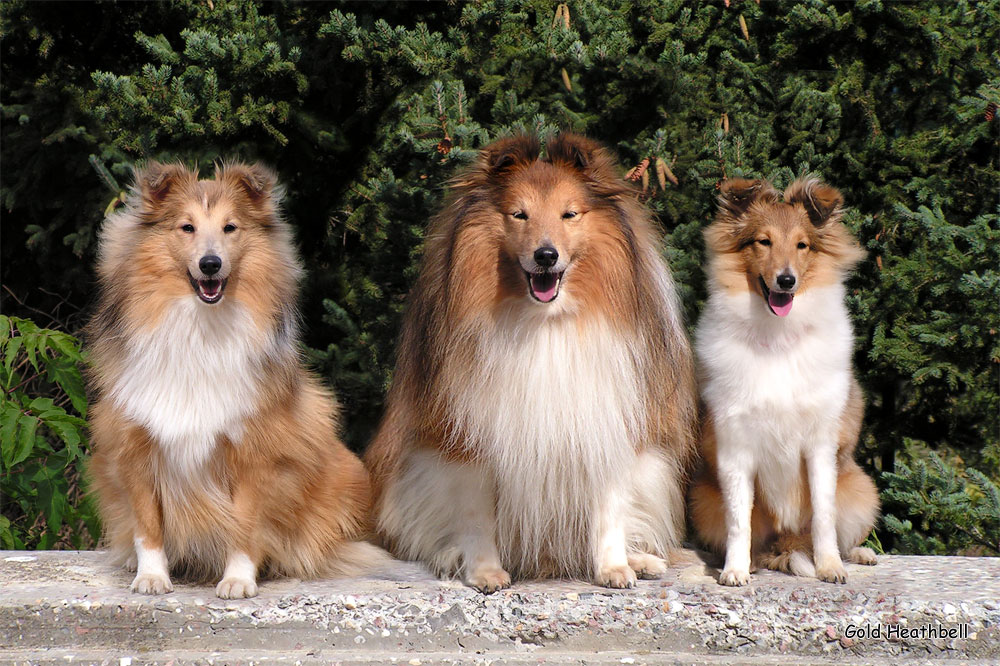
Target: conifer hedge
(366, 110)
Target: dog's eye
(520, 215)
(803, 246)
(229, 228)
(188, 228)
(570, 214)
(766, 242)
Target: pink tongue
(544, 286)
(781, 304)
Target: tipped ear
(823, 203)
(256, 180)
(508, 154)
(572, 150)
(156, 180)
(737, 195)
(583, 154)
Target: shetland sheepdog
(542, 412)
(216, 453)
(779, 486)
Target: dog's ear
(256, 180)
(574, 151)
(591, 159)
(823, 203)
(737, 195)
(508, 154)
(155, 180)
(586, 155)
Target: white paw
(616, 577)
(829, 568)
(647, 566)
(236, 588)
(151, 583)
(489, 580)
(862, 555)
(735, 577)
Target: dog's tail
(795, 562)
(792, 553)
(800, 564)
(357, 558)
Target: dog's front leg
(239, 580)
(612, 569)
(152, 575)
(481, 564)
(736, 482)
(821, 462)
(443, 512)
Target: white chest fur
(775, 386)
(556, 412)
(754, 362)
(192, 378)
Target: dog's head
(207, 227)
(556, 210)
(780, 245)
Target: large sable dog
(541, 416)
(215, 452)
(780, 487)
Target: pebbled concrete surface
(71, 607)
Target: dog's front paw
(616, 577)
(862, 555)
(152, 583)
(647, 566)
(735, 577)
(234, 587)
(829, 568)
(489, 580)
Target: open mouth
(780, 302)
(544, 287)
(208, 289)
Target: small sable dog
(783, 407)
(215, 451)
(543, 408)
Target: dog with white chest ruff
(215, 453)
(779, 487)
(542, 412)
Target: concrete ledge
(71, 607)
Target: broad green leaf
(31, 343)
(68, 377)
(8, 540)
(10, 354)
(8, 431)
(68, 433)
(26, 326)
(25, 440)
(59, 414)
(41, 405)
(65, 344)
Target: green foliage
(43, 439)
(367, 109)
(942, 337)
(943, 510)
(179, 93)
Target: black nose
(546, 256)
(786, 281)
(210, 264)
